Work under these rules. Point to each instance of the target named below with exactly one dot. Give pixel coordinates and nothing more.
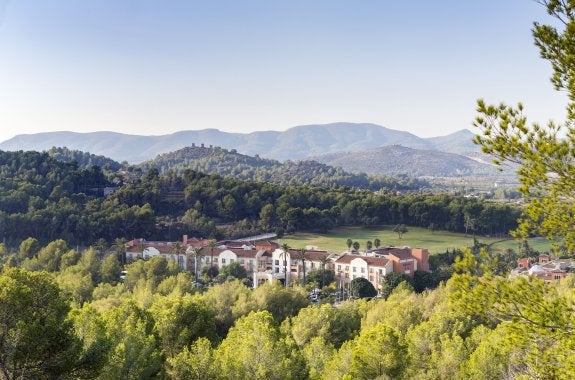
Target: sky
(151, 67)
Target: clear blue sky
(154, 67)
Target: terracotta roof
(401, 253)
(372, 261)
(269, 244)
(311, 255)
(162, 247)
(244, 253)
(206, 252)
(197, 243)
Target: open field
(436, 242)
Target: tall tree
(378, 353)
(196, 362)
(323, 263)
(28, 248)
(302, 255)
(180, 320)
(349, 243)
(119, 246)
(38, 340)
(362, 288)
(254, 349)
(136, 350)
(377, 243)
(545, 155)
(285, 249)
(400, 229)
(212, 245)
(198, 255)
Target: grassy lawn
(539, 244)
(436, 242)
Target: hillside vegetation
(83, 159)
(48, 199)
(220, 161)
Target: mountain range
(295, 143)
(355, 147)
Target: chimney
(185, 239)
(422, 257)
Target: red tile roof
(371, 261)
(401, 253)
(311, 255)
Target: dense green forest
(83, 159)
(229, 163)
(49, 199)
(65, 314)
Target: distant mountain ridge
(401, 160)
(295, 143)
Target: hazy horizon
(147, 68)
(240, 132)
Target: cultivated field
(436, 242)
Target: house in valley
(545, 268)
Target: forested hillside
(230, 163)
(48, 199)
(83, 159)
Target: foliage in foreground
(158, 324)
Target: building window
(371, 278)
(347, 275)
(354, 269)
(312, 265)
(215, 259)
(338, 266)
(277, 262)
(347, 267)
(241, 261)
(381, 271)
(362, 270)
(223, 261)
(207, 259)
(353, 277)
(231, 261)
(370, 270)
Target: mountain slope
(396, 159)
(460, 142)
(295, 143)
